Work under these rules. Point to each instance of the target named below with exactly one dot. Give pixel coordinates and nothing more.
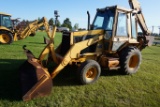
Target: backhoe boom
(135, 5)
(32, 27)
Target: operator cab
(119, 24)
(104, 19)
(5, 21)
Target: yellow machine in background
(8, 34)
(112, 42)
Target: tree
(51, 22)
(67, 23)
(39, 18)
(76, 26)
(22, 24)
(58, 23)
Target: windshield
(6, 21)
(104, 20)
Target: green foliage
(67, 23)
(76, 26)
(111, 90)
(58, 23)
(157, 38)
(51, 22)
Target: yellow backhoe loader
(110, 42)
(8, 34)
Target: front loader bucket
(35, 80)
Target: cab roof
(1, 13)
(114, 7)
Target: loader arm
(135, 5)
(41, 82)
(76, 48)
(32, 27)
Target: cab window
(104, 20)
(6, 21)
(121, 25)
(134, 32)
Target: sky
(75, 10)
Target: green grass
(111, 90)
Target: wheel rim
(4, 38)
(91, 73)
(133, 62)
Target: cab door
(133, 34)
(121, 31)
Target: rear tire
(130, 60)
(89, 72)
(6, 37)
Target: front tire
(6, 37)
(130, 60)
(89, 72)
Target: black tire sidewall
(125, 59)
(11, 38)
